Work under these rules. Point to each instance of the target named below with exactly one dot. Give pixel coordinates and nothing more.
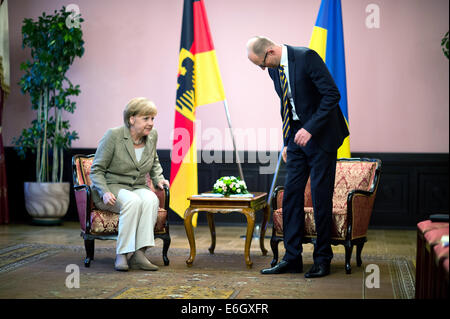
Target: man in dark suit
(313, 129)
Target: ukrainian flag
(328, 41)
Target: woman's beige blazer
(115, 165)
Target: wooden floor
(400, 243)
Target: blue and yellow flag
(328, 41)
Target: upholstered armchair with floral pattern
(100, 224)
(353, 199)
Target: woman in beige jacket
(123, 158)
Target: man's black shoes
(317, 271)
(283, 267)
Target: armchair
(103, 225)
(354, 195)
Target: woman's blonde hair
(138, 106)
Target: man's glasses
(263, 65)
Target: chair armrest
(275, 195)
(275, 206)
(84, 204)
(163, 194)
(359, 209)
(167, 193)
(439, 218)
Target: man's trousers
(303, 162)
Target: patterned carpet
(18, 255)
(41, 271)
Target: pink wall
(397, 75)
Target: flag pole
(225, 104)
(275, 176)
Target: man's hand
(161, 184)
(109, 199)
(302, 137)
(284, 154)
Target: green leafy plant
(54, 44)
(228, 185)
(444, 44)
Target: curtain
(4, 90)
(4, 211)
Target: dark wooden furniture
(432, 260)
(213, 205)
(103, 225)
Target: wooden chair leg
(348, 257)
(166, 243)
(89, 245)
(359, 248)
(274, 245)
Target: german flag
(199, 83)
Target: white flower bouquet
(228, 185)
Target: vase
(47, 203)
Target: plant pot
(47, 203)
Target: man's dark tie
(284, 87)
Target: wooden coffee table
(211, 205)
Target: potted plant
(54, 44)
(444, 44)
